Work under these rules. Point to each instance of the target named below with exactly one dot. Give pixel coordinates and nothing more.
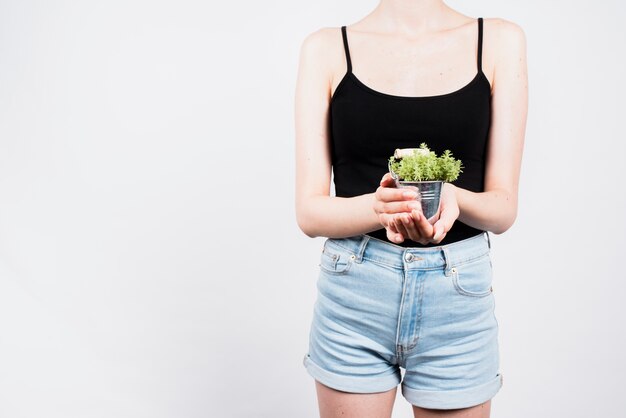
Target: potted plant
(422, 169)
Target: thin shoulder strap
(345, 47)
(480, 44)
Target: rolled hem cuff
(344, 383)
(453, 399)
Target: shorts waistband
(447, 256)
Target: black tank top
(366, 126)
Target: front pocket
(474, 277)
(335, 260)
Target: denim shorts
(381, 307)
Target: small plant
(422, 164)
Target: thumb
(442, 226)
(387, 180)
(438, 230)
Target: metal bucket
(428, 193)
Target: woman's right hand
(389, 200)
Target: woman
(396, 291)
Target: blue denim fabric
(381, 307)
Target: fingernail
(409, 194)
(413, 205)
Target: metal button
(408, 257)
(353, 257)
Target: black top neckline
(479, 75)
(350, 74)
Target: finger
(443, 225)
(392, 194)
(393, 233)
(439, 238)
(393, 237)
(398, 207)
(439, 230)
(387, 181)
(399, 223)
(424, 228)
(391, 225)
(409, 225)
(386, 220)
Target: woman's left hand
(414, 226)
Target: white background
(145, 273)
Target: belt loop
(447, 259)
(488, 239)
(364, 240)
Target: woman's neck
(412, 17)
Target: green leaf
(427, 166)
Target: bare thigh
(334, 403)
(479, 411)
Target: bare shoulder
(321, 57)
(504, 51)
(322, 44)
(505, 35)
(322, 36)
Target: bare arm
(318, 213)
(495, 209)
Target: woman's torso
(367, 125)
